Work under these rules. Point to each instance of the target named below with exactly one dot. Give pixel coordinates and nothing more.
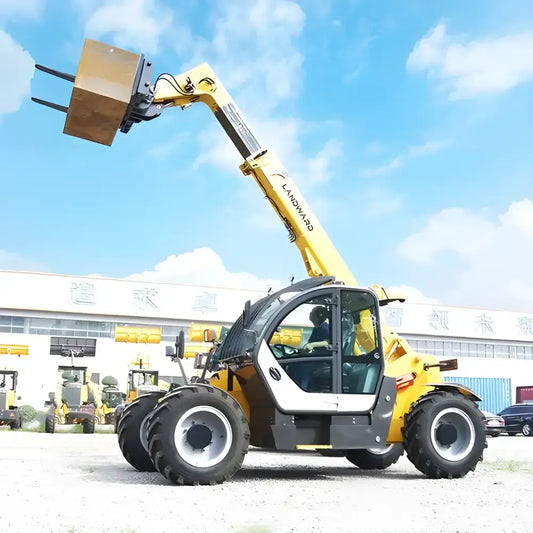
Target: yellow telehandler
(357, 389)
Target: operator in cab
(320, 336)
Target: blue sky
(408, 126)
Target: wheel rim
(381, 451)
(203, 436)
(452, 434)
(526, 430)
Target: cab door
(331, 367)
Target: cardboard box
(102, 91)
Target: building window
(72, 346)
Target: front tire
(527, 429)
(375, 458)
(198, 435)
(50, 423)
(17, 423)
(132, 430)
(88, 424)
(444, 435)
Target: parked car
(518, 419)
(494, 424)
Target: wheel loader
(360, 392)
(76, 400)
(9, 413)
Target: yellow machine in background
(364, 393)
(9, 413)
(111, 397)
(76, 400)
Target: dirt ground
(69, 482)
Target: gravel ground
(70, 482)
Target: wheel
(375, 458)
(198, 435)
(17, 423)
(132, 431)
(527, 429)
(50, 423)
(118, 413)
(89, 424)
(444, 435)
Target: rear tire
(198, 435)
(50, 423)
(375, 458)
(88, 424)
(527, 429)
(17, 423)
(132, 430)
(444, 435)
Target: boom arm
(201, 84)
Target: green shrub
(27, 413)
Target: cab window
(361, 357)
(302, 343)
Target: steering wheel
(286, 350)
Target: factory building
(48, 320)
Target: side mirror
(180, 345)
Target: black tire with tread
(162, 447)
(17, 423)
(118, 413)
(369, 460)
(527, 429)
(50, 423)
(129, 427)
(417, 441)
(89, 424)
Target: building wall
(54, 298)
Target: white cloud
(15, 75)
(412, 294)
(21, 8)
(488, 259)
(12, 261)
(379, 202)
(254, 51)
(453, 229)
(412, 152)
(475, 67)
(203, 266)
(137, 24)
